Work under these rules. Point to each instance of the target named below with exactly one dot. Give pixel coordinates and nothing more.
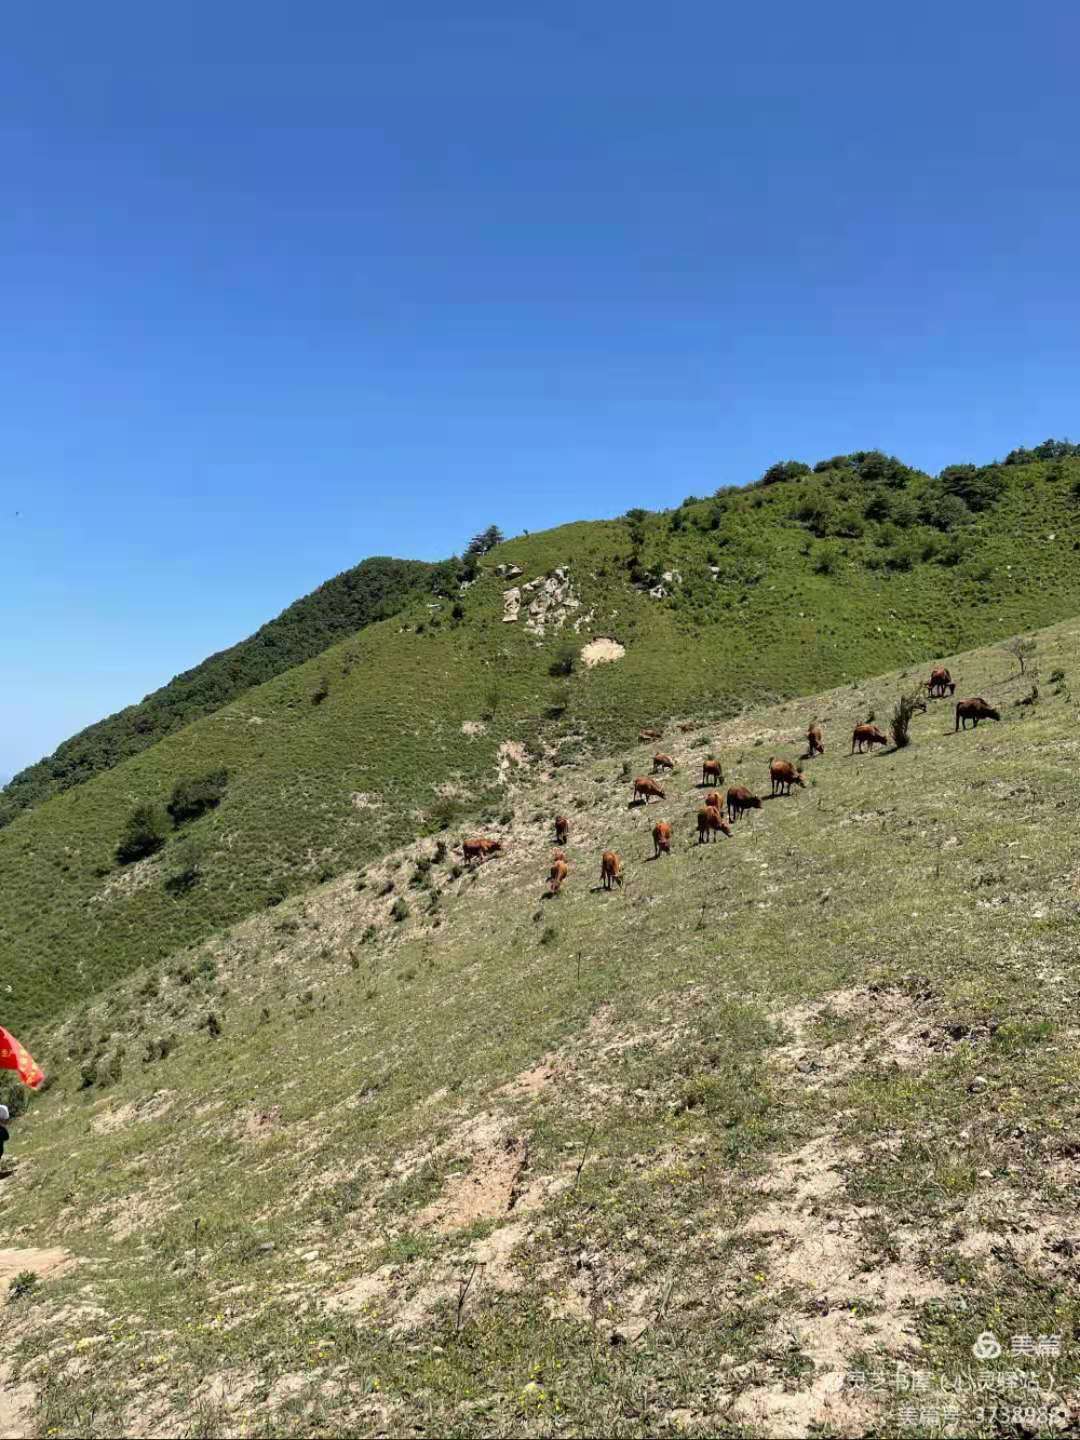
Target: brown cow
(815, 741)
(662, 762)
(868, 735)
(610, 869)
(712, 770)
(740, 799)
(713, 799)
(562, 829)
(479, 849)
(650, 734)
(975, 709)
(661, 837)
(709, 823)
(783, 775)
(645, 787)
(940, 681)
(559, 872)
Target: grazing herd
(710, 817)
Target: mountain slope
(369, 591)
(786, 1110)
(417, 720)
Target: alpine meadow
(468, 1153)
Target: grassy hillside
(369, 591)
(689, 1158)
(419, 719)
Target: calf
(783, 775)
(740, 799)
(610, 869)
(661, 838)
(644, 788)
(710, 823)
(712, 770)
(713, 799)
(662, 762)
(815, 741)
(478, 850)
(558, 873)
(650, 734)
(974, 710)
(562, 829)
(867, 736)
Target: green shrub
(978, 488)
(900, 724)
(196, 795)
(143, 835)
(23, 1286)
(565, 660)
(399, 911)
(827, 560)
(186, 869)
(784, 470)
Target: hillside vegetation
(369, 591)
(420, 720)
(698, 1156)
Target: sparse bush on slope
(196, 795)
(143, 835)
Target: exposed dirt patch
(365, 800)
(404, 1296)
(489, 1189)
(602, 651)
(17, 1403)
(260, 1124)
(135, 1113)
(38, 1262)
(814, 1243)
(535, 1079)
(882, 1027)
(512, 755)
(130, 880)
(473, 727)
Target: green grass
(878, 975)
(369, 591)
(393, 701)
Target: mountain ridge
(807, 579)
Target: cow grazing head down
(646, 789)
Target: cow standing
(710, 823)
(740, 799)
(867, 736)
(645, 789)
(975, 709)
(783, 775)
(610, 869)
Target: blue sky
(285, 286)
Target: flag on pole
(14, 1056)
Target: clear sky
(287, 285)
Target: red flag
(13, 1056)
